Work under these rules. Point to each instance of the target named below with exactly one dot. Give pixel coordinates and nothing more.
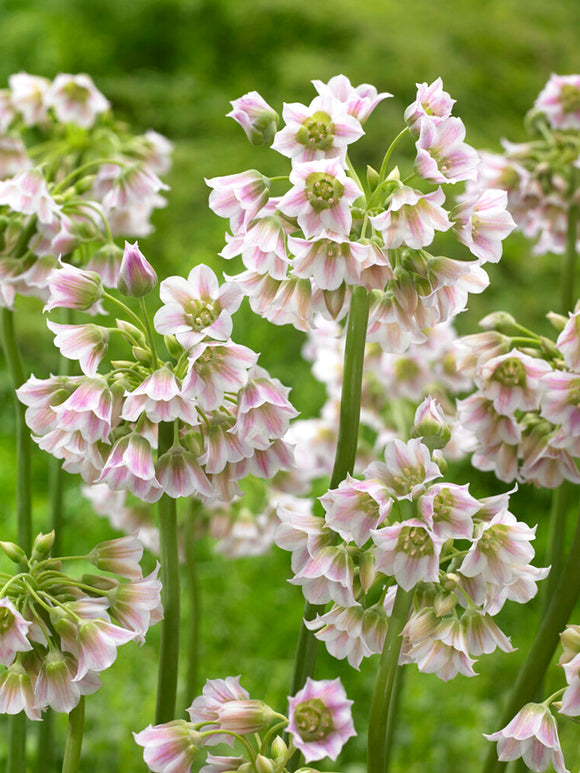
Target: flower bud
(42, 545)
(72, 288)
(502, 322)
(558, 321)
(263, 764)
(142, 355)
(245, 716)
(14, 553)
(444, 603)
(570, 639)
(131, 330)
(136, 276)
(367, 570)
(174, 348)
(449, 581)
(430, 425)
(279, 748)
(258, 120)
(372, 177)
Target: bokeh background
(173, 66)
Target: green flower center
(76, 93)
(313, 720)
(511, 373)
(316, 132)
(493, 538)
(570, 98)
(415, 541)
(442, 504)
(323, 191)
(200, 314)
(406, 369)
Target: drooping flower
(482, 221)
(412, 218)
(431, 104)
(559, 100)
(13, 632)
(320, 719)
(75, 99)
(256, 117)
(359, 101)
(169, 748)
(28, 193)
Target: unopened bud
(570, 639)
(502, 322)
(367, 570)
(258, 120)
(558, 321)
(449, 581)
(131, 330)
(279, 748)
(373, 177)
(42, 545)
(549, 347)
(100, 582)
(136, 276)
(245, 716)
(440, 460)
(430, 425)
(142, 355)
(14, 553)
(263, 764)
(444, 603)
(174, 348)
(334, 300)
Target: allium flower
(533, 735)
(73, 288)
(215, 368)
(321, 130)
(359, 101)
(320, 719)
(205, 708)
(160, 398)
(13, 632)
(239, 197)
(27, 93)
(169, 748)
(408, 551)
(568, 342)
(512, 381)
(560, 101)
(321, 197)
(341, 629)
(412, 218)
(124, 185)
(355, 507)
(407, 468)
(256, 117)
(482, 221)
(431, 104)
(442, 155)
(180, 474)
(330, 260)
(130, 466)
(28, 193)
(86, 343)
(17, 694)
(75, 99)
(121, 556)
(56, 685)
(137, 276)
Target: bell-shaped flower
(215, 368)
(449, 510)
(482, 635)
(205, 708)
(197, 307)
(321, 130)
(17, 693)
(258, 120)
(239, 197)
(559, 100)
(27, 93)
(13, 632)
(264, 411)
(160, 398)
(445, 654)
(407, 469)
(330, 260)
(93, 410)
(95, 644)
(222, 447)
(180, 474)
(136, 605)
(56, 686)
(121, 556)
(120, 185)
(356, 507)
(512, 381)
(482, 222)
(533, 735)
(86, 343)
(327, 575)
(75, 99)
(568, 342)
(412, 218)
(320, 198)
(28, 193)
(320, 719)
(359, 101)
(442, 155)
(130, 466)
(169, 748)
(431, 104)
(408, 551)
(72, 288)
(341, 631)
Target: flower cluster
(305, 250)
(80, 180)
(58, 632)
(319, 723)
(402, 526)
(524, 411)
(224, 416)
(540, 175)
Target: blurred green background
(174, 65)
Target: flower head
(256, 117)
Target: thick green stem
(384, 686)
(17, 745)
(45, 752)
(343, 463)
(393, 713)
(194, 600)
(556, 541)
(532, 672)
(74, 739)
(568, 272)
(169, 655)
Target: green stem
(74, 739)
(532, 671)
(169, 654)
(129, 312)
(150, 336)
(392, 146)
(567, 283)
(17, 745)
(45, 753)
(556, 541)
(191, 683)
(393, 713)
(384, 686)
(343, 463)
(81, 169)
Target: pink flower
(431, 104)
(449, 510)
(568, 342)
(359, 101)
(73, 288)
(160, 398)
(94, 643)
(321, 197)
(55, 685)
(137, 276)
(412, 218)
(408, 551)
(197, 307)
(320, 719)
(355, 507)
(215, 368)
(512, 381)
(205, 708)
(124, 185)
(169, 748)
(137, 605)
(442, 156)
(86, 343)
(13, 158)
(560, 101)
(330, 260)
(130, 466)
(256, 117)
(93, 409)
(482, 221)
(27, 94)
(13, 632)
(180, 475)
(121, 556)
(407, 468)
(321, 130)
(239, 197)
(327, 575)
(341, 629)
(16, 692)
(533, 735)
(75, 99)
(28, 193)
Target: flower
(533, 735)
(359, 101)
(256, 117)
(75, 99)
(412, 218)
(482, 221)
(137, 276)
(13, 632)
(559, 100)
(320, 719)
(169, 748)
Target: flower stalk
(74, 739)
(169, 655)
